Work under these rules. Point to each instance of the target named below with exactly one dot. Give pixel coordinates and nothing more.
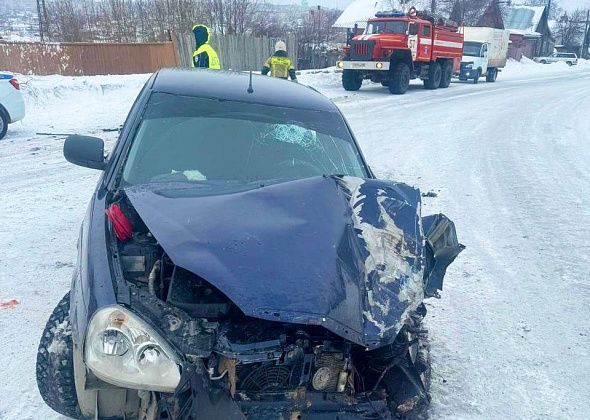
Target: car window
(426, 30)
(189, 139)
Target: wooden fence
(236, 52)
(88, 59)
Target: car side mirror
(85, 151)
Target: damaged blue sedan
(239, 259)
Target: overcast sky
(341, 4)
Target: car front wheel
(55, 367)
(476, 77)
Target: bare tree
(556, 10)
(570, 28)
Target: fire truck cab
(397, 47)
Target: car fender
(92, 282)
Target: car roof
(233, 86)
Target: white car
(570, 58)
(12, 104)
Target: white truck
(484, 53)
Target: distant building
(492, 16)
(530, 34)
(359, 11)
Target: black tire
(569, 63)
(399, 79)
(543, 61)
(434, 76)
(55, 370)
(351, 80)
(385, 83)
(476, 77)
(3, 123)
(447, 74)
(492, 75)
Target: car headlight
(340, 64)
(123, 350)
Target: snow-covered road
(510, 163)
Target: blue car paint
(92, 286)
(291, 252)
(98, 287)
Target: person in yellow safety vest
(204, 55)
(279, 64)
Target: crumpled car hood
(340, 252)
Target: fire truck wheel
(351, 80)
(400, 79)
(434, 76)
(447, 74)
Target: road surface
(509, 162)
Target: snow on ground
(510, 162)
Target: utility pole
(586, 35)
(41, 31)
(545, 29)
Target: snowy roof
(523, 18)
(359, 11)
(527, 33)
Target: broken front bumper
(197, 398)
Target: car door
(484, 61)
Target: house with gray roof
(530, 34)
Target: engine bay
(257, 360)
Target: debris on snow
(9, 304)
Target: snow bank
(63, 104)
(526, 68)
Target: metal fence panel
(86, 59)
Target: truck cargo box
(497, 39)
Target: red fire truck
(397, 47)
